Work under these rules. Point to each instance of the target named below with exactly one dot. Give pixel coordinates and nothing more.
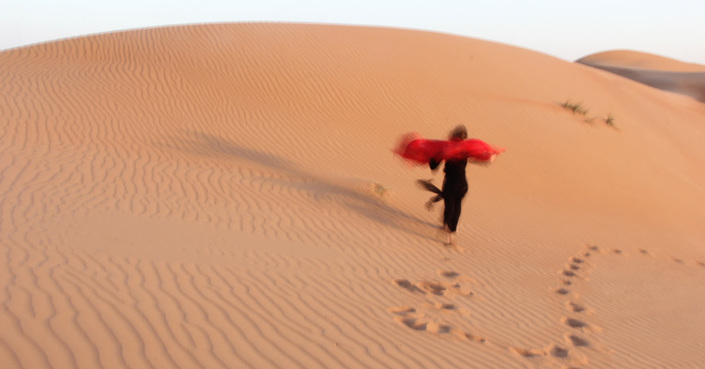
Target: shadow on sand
(349, 195)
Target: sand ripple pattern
(201, 142)
(223, 196)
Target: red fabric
(415, 148)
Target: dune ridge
(652, 70)
(224, 195)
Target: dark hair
(458, 133)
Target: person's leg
(448, 210)
(454, 213)
(450, 216)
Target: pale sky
(565, 29)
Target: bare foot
(449, 235)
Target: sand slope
(652, 70)
(224, 196)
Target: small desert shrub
(578, 108)
(575, 107)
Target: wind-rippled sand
(224, 196)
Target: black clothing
(455, 186)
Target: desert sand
(652, 70)
(225, 196)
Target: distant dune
(653, 70)
(225, 196)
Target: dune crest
(637, 59)
(652, 70)
(225, 196)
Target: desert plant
(575, 107)
(610, 120)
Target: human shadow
(364, 203)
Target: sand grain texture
(224, 196)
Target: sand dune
(636, 59)
(652, 70)
(224, 196)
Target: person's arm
(434, 164)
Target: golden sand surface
(225, 196)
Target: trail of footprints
(429, 318)
(579, 329)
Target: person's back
(455, 174)
(455, 186)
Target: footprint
(645, 252)
(472, 337)
(455, 276)
(617, 251)
(455, 332)
(562, 291)
(574, 323)
(701, 263)
(677, 260)
(402, 310)
(413, 323)
(409, 317)
(577, 260)
(579, 324)
(553, 350)
(443, 289)
(435, 288)
(568, 273)
(429, 317)
(574, 267)
(558, 351)
(442, 306)
(406, 284)
(421, 323)
(458, 289)
(529, 353)
(448, 273)
(438, 328)
(574, 307)
(576, 341)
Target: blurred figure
(455, 184)
(456, 152)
